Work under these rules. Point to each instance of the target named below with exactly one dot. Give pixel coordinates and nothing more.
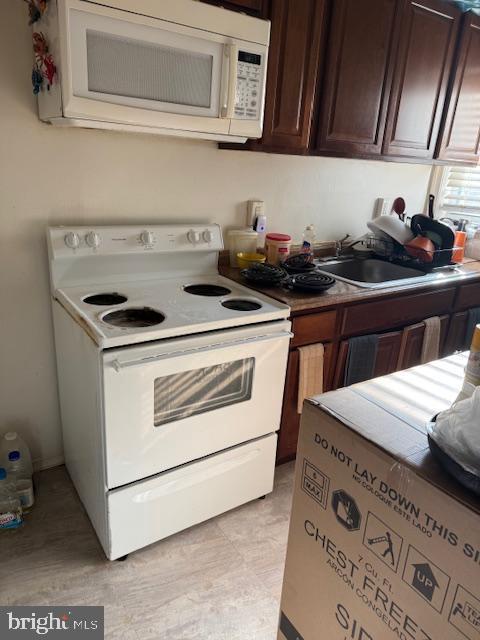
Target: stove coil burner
(134, 317)
(212, 290)
(264, 275)
(312, 282)
(107, 299)
(241, 305)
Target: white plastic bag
(457, 432)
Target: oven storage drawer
(152, 509)
(173, 402)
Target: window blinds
(460, 192)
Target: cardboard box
(382, 543)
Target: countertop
(343, 293)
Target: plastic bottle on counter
(10, 507)
(308, 243)
(15, 458)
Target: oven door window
(189, 393)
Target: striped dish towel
(310, 382)
(431, 340)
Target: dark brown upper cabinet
(354, 98)
(374, 79)
(293, 68)
(428, 35)
(460, 138)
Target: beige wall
(53, 176)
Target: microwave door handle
(118, 365)
(229, 80)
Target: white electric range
(171, 378)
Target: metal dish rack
(392, 251)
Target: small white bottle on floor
(10, 507)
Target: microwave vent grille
(147, 71)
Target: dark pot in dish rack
(439, 233)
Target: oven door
(174, 401)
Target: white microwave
(177, 67)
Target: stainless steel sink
(375, 274)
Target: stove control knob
(193, 236)
(92, 239)
(72, 240)
(147, 238)
(207, 235)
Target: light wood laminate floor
(220, 580)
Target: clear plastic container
(241, 241)
(472, 248)
(277, 247)
(10, 508)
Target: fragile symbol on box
(346, 510)
(430, 582)
(383, 541)
(465, 613)
(315, 483)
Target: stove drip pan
(212, 290)
(241, 305)
(134, 317)
(106, 299)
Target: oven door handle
(118, 365)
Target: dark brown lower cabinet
(468, 297)
(387, 357)
(398, 349)
(288, 435)
(412, 342)
(456, 334)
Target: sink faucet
(340, 245)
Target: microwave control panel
(248, 101)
